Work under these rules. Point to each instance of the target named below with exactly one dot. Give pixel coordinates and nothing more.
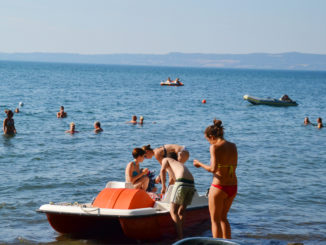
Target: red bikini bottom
(231, 190)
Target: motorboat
(172, 83)
(269, 101)
(120, 210)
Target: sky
(163, 26)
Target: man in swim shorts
(183, 188)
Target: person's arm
(133, 179)
(14, 126)
(213, 166)
(165, 164)
(4, 125)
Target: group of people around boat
(318, 125)
(172, 158)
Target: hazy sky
(163, 26)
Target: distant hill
(283, 61)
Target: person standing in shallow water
(223, 190)
(9, 124)
(182, 192)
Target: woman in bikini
(161, 152)
(134, 175)
(224, 158)
(9, 123)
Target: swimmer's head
(21, 104)
(72, 125)
(134, 118)
(97, 124)
(9, 113)
(62, 108)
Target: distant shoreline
(283, 61)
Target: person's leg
(145, 183)
(181, 212)
(216, 199)
(142, 183)
(225, 225)
(174, 208)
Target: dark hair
(147, 148)
(215, 130)
(9, 113)
(138, 152)
(172, 155)
(320, 120)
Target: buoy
(203, 101)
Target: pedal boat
(172, 83)
(268, 101)
(120, 211)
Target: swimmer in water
(72, 129)
(97, 127)
(133, 120)
(306, 121)
(141, 120)
(62, 113)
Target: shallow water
(281, 172)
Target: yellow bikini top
(231, 168)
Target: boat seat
(118, 184)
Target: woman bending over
(161, 152)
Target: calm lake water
(282, 164)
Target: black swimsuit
(165, 152)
